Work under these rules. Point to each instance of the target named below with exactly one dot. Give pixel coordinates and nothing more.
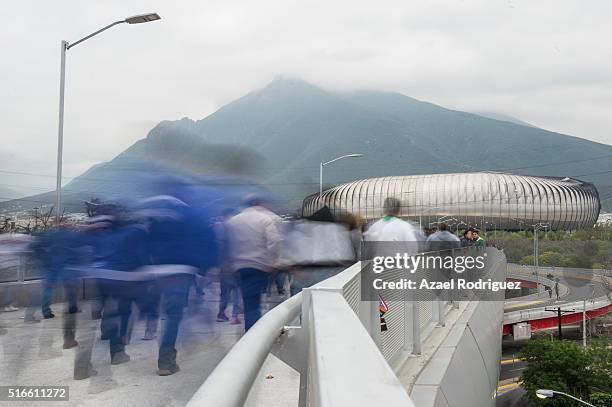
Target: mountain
(504, 118)
(280, 133)
(7, 194)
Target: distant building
(487, 200)
(605, 219)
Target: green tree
(601, 399)
(564, 366)
(559, 365)
(601, 367)
(550, 259)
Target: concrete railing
(333, 339)
(514, 317)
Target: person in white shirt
(254, 241)
(391, 228)
(407, 237)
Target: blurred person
(127, 240)
(7, 300)
(354, 225)
(55, 249)
(428, 231)
(119, 248)
(230, 293)
(149, 305)
(278, 278)
(58, 250)
(116, 245)
(178, 235)
(467, 239)
(228, 278)
(442, 239)
(94, 232)
(317, 248)
(254, 238)
(391, 227)
(391, 235)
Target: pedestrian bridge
(583, 293)
(332, 341)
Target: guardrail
(516, 273)
(514, 317)
(333, 338)
(230, 382)
(17, 267)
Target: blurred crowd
(141, 260)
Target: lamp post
(545, 394)
(322, 164)
(65, 46)
(584, 339)
(536, 252)
(426, 211)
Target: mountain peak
(289, 85)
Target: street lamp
(427, 210)
(584, 341)
(536, 252)
(65, 46)
(329, 162)
(545, 394)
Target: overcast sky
(547, 62)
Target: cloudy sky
(548, 63)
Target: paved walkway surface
(32, 354)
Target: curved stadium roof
(486, 200)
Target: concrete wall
(464, 370)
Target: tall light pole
(584, 339)
(536, 252)
(329, 162)
(65, 46)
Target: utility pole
(584, 323)
(559, 312)
(584, 339)
(536, 257)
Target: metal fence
(18, 267)
(333, 338)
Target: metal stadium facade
(486, 200)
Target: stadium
(487, 200)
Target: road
(511, 369)
(513, 398)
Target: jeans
(47, 295)
(229, 293)
(70, 292)
(148, 301)
(279, 278)
(252, 283)
(114, 310)
(175, 291)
